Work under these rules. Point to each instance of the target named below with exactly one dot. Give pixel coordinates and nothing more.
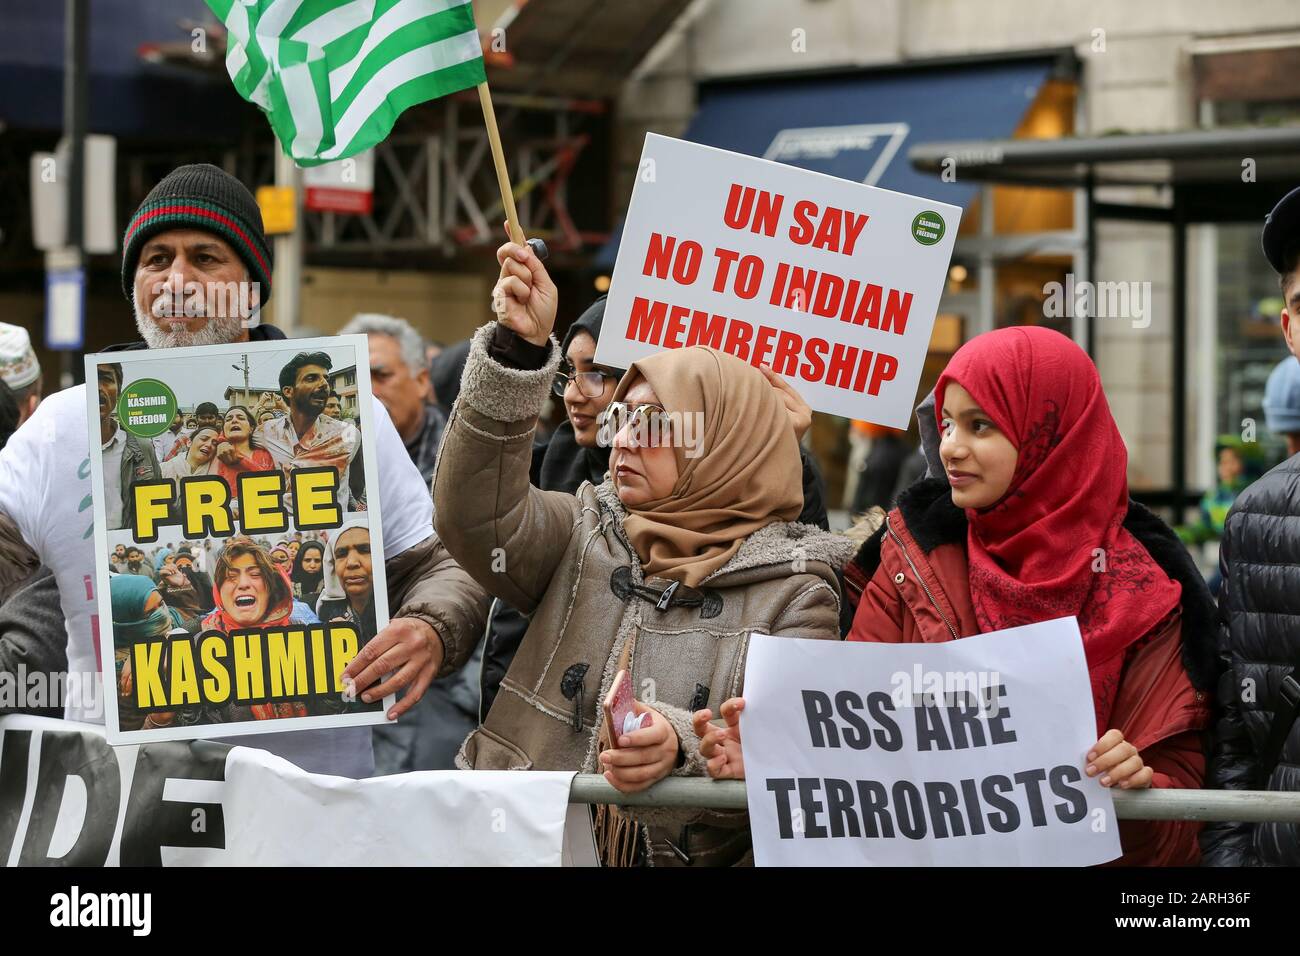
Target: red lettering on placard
(840, 373)
(829, 292)
(801, 232)
(646, 323)
(664, 255)
(738, 335)
(778, 284)
(828, 233)
(814, 359)
(676, 326)
(814, 353)
(786, 359)
(658, 256)
(706, 329)
(739, 201)
(869, 308)
(725, 258)
(759, 209)
(896, 310)
(864, 366)
(800, 290)
(853, 226)
(832, 229)
(749, 276)
(762, 344)
(886, 368)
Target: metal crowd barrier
(1242, 806)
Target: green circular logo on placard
(146, 407)
(927, 228)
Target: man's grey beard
(217, 331)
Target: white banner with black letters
(68, 798)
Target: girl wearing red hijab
(1031, 522)
(250, 592)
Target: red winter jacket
(910, 582)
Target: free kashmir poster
(234, 536)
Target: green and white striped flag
(334, 75)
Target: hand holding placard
(1119, 763)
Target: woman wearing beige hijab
(665, 569)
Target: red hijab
(1033, 553)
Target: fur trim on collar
(779, 543)
(932, 519)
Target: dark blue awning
(859, 126)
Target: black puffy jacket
(1259, 644)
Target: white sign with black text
(966, 753)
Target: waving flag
(334, 75)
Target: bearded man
(196, 267)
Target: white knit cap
(18, 364)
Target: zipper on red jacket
(920, 580)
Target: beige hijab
(745, 473)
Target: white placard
(253, 657)
(834, 284)
(966, 753)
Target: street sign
(346, 186)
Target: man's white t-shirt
(45, 490)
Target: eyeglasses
(590, 384)
(650, 425)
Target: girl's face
(204, 445)
(641, 472)
(236, 425)
(311, 560)
(979, 459)
(245, 593)
(584, 409)
(352, 561)
(280, 556)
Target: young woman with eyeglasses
(664, 569)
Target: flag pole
(499, 161)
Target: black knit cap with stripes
(201, 196)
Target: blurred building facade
(1119, 68)
(578, 84)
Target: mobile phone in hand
(620, 715)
